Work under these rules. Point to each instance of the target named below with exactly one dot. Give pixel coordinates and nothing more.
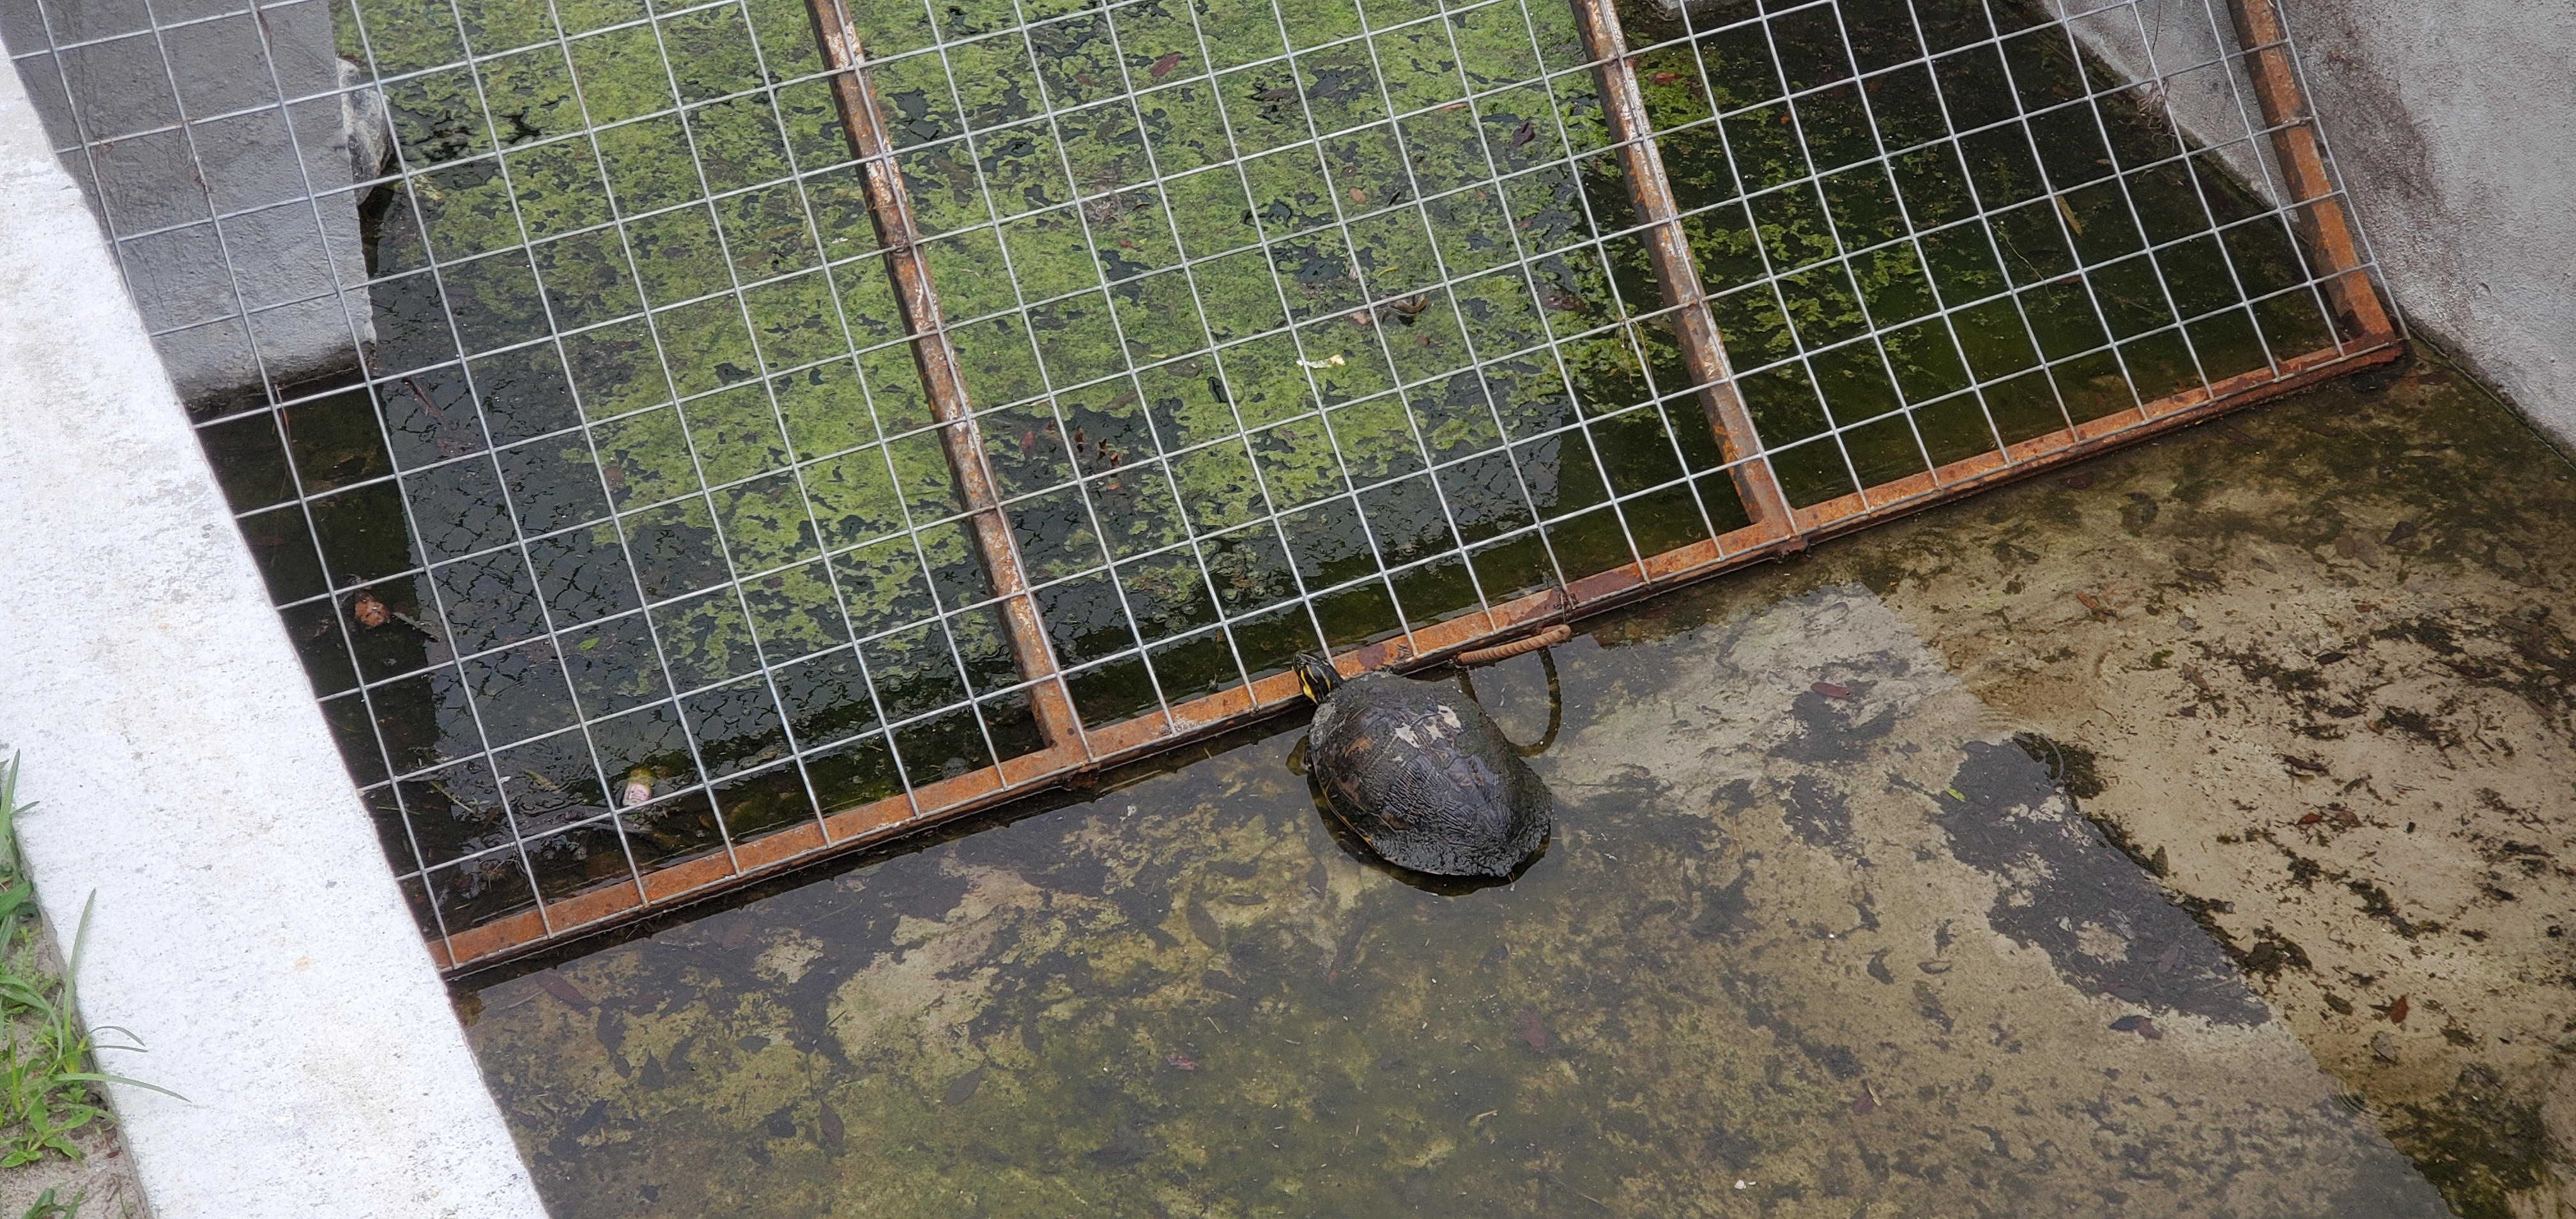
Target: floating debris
(563, 990)
(962, 1089)
(1933, 967)
(2385, 1047)
(1532, 1030)
(639, 787)
(2400, 532)
(2140, 1025)
(2397, 1011)
(1119, 1153)
(1831, 689)
(368, 611)
(1866, 1102)
(1203, 927)
(1179, 1061)
(1163, 67)
(1336, 360)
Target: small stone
(2385, 1047)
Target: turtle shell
(1426, 778)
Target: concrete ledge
(247, 928)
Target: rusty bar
(851, 829)
(2312, 190)
(919, 299)
(1677, 274)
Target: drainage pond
(2178, 836)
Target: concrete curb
(247, 928)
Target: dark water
(1815, 936)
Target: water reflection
(1812, 936)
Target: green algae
(1349, 275)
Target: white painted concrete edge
(247, 928)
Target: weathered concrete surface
(2317, 659)
(1792, 952)
(2453, 125)
(217, 154)
(2450, 125)
(247, 930)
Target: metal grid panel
(662, 537)
(1309, 342)
(1933, 231)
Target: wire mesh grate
(1933, 231)
(685, 439)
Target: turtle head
(1317, 676)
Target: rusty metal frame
(1650, 191)
(2315, 202)
(933, 353)
(1073, 753)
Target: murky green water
(1816, 935)
(1289, 325)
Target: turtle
(1421, 774)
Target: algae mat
(1816, 935)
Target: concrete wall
(247, 930)
(2183, 53)
(213, 142)
(2455, 126)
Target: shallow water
(1821, 916)
(1813, 933)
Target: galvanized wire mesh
(1931, 231)
(572, 413)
